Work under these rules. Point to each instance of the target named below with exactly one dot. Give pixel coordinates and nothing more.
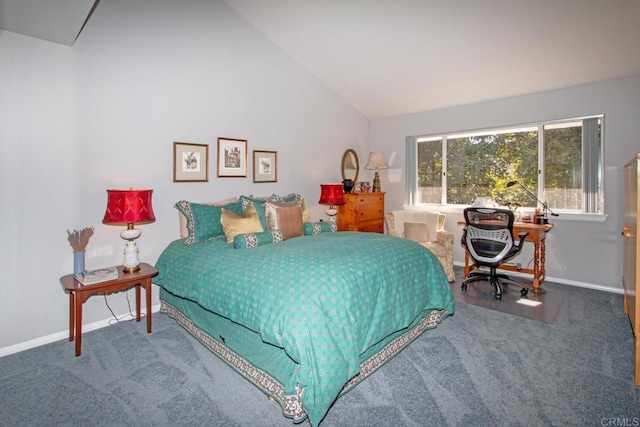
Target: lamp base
(331, 213)
(376, 183)
(131, 263)
(130, 269)
(542, 220)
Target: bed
(304, 318)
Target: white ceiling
(392, 57)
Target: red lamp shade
(130, 206)
(331, 194)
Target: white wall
(105, 113)
(579, 252)
(38, 191)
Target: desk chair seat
(488, 237)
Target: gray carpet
(479, 367)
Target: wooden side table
(79, 293)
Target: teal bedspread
(324, 299)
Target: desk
(537, 235)
(79, 293)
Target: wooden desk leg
(138, 302)
(71, 316)
(466, 263)
(536, 267)
(78, 316)
(148, 295)
(543, 271)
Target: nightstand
(362, 212)
(79, 293)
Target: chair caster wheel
(524, 292)
(498, 296)
(464, 287)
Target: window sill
(563, 216)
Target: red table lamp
(129, 207)
(332, 194)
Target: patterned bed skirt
(291, 405)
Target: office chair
(488, 237)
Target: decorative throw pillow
(313, 228)
(417, 231)
(286, 217)
(203, 220)
(253, 240)
(291, 197)
(258, 202)
(306, 216)
(233, 224)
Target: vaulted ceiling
(393, 57)
(58, 21)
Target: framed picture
(232, 157)
(265, 166)
(190, 162)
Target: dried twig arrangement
(78, 239)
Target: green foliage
(482, 165)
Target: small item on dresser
(347, 185)
(97, 276)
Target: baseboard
(563, 281)
(62, 335)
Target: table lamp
(543, 219)
(376, 162)
(129, 207)
(332, 194)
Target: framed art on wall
(190, 162)
(265, 166)
(232, 157)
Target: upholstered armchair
(426, 228)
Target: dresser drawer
(374, 226)
(370, 207)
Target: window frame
(596, 166)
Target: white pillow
(416, 231)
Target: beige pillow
(233, 224)
(417, 231)
(306, 215)
(285, 217)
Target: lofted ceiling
(58, 21)
(393, 57)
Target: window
(558, 162)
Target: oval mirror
(350, 165)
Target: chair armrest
(389, 222)
(522, 235)
(445, 238)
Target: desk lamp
(376, 162)
(543, 219)
(332, 194)
(129, 207)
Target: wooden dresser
(630, 264)
(362, 212)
